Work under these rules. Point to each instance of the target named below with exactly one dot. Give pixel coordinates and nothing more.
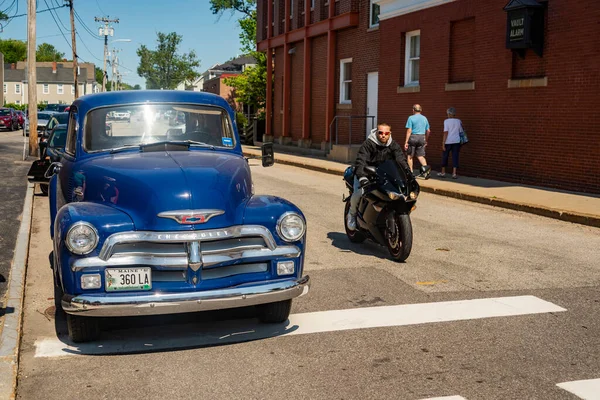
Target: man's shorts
(416, 146)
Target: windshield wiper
(186, 143)
(125, 147)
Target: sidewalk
(573, 207)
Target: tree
(163, 68)
(47, 52)
(246, 7)
(250, 87)
(98, 74)
(13, 50)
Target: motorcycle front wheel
(354, 236)
(399, 244)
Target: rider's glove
(363, 181)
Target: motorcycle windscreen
(393, 173)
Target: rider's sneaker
(351, 222)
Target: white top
(453, 126)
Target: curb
(10, 336)
(567, 216)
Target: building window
(60, 89)
(312, 4)
(374, 17)
(346, 81)
(413, 55)
(291, 8)
(18, 102)
(17, 88)
(46, 88)
(72, 89)
(5, 88)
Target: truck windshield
(135, 125)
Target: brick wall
(545, 136)
(296, 91)
(317, 90)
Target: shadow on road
(367, 248)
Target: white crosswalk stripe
(447, 398)
(588, 389)
(315, 322)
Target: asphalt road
(368, 328)
(13, 184)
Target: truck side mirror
(268, 155)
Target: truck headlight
(82, 238)
(291, 226)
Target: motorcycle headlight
(394, 195)
(291, 227)
(81, 238)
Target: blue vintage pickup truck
(157, 214)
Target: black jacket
(372, 153)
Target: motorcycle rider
(378, 148)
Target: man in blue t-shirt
(417, 134)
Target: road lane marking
(235, 331)
(447, 398)
(588, 389)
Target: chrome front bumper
(173, 303)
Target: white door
(372, 81)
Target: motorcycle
(384, 209)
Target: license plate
(122, 279)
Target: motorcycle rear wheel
(401, 246)
(354, 236)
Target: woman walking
(451, 142)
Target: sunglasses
(383, 133)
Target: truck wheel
(82, 329)
(274, 313)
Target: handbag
(464, 139)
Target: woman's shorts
(416, 146)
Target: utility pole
(105, 31)
(70, 2)
(114, 62)
(32, 78)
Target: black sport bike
(384, 209)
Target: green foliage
(243, 6)
(240, 120)
(163, 68)
(250, 87)
(21, 107)
(13, 50)
(3, 16)
(47, 52)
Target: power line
(92, 33)
(37, 12)
(99, 8)
(58, 26)
(63, 25)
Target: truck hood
(146, 184)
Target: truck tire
(274, 313)
(82, 329)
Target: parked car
(56, 107)
(154, 220)
(55, 119)
(8, 119)
(51, 150)
(21, 118)
(43, 119)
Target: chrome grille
(205, 250)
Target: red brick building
(531, 114)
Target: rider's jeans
(357, 192)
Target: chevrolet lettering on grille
(191, 217)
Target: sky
(214, 39)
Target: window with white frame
(413, 56)
(18, 102)
(374, 15)
(346, 81)
(17, 88)
(5, 88)
(72, 89)
(60, 89)
(312, 4)
(46, 88)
